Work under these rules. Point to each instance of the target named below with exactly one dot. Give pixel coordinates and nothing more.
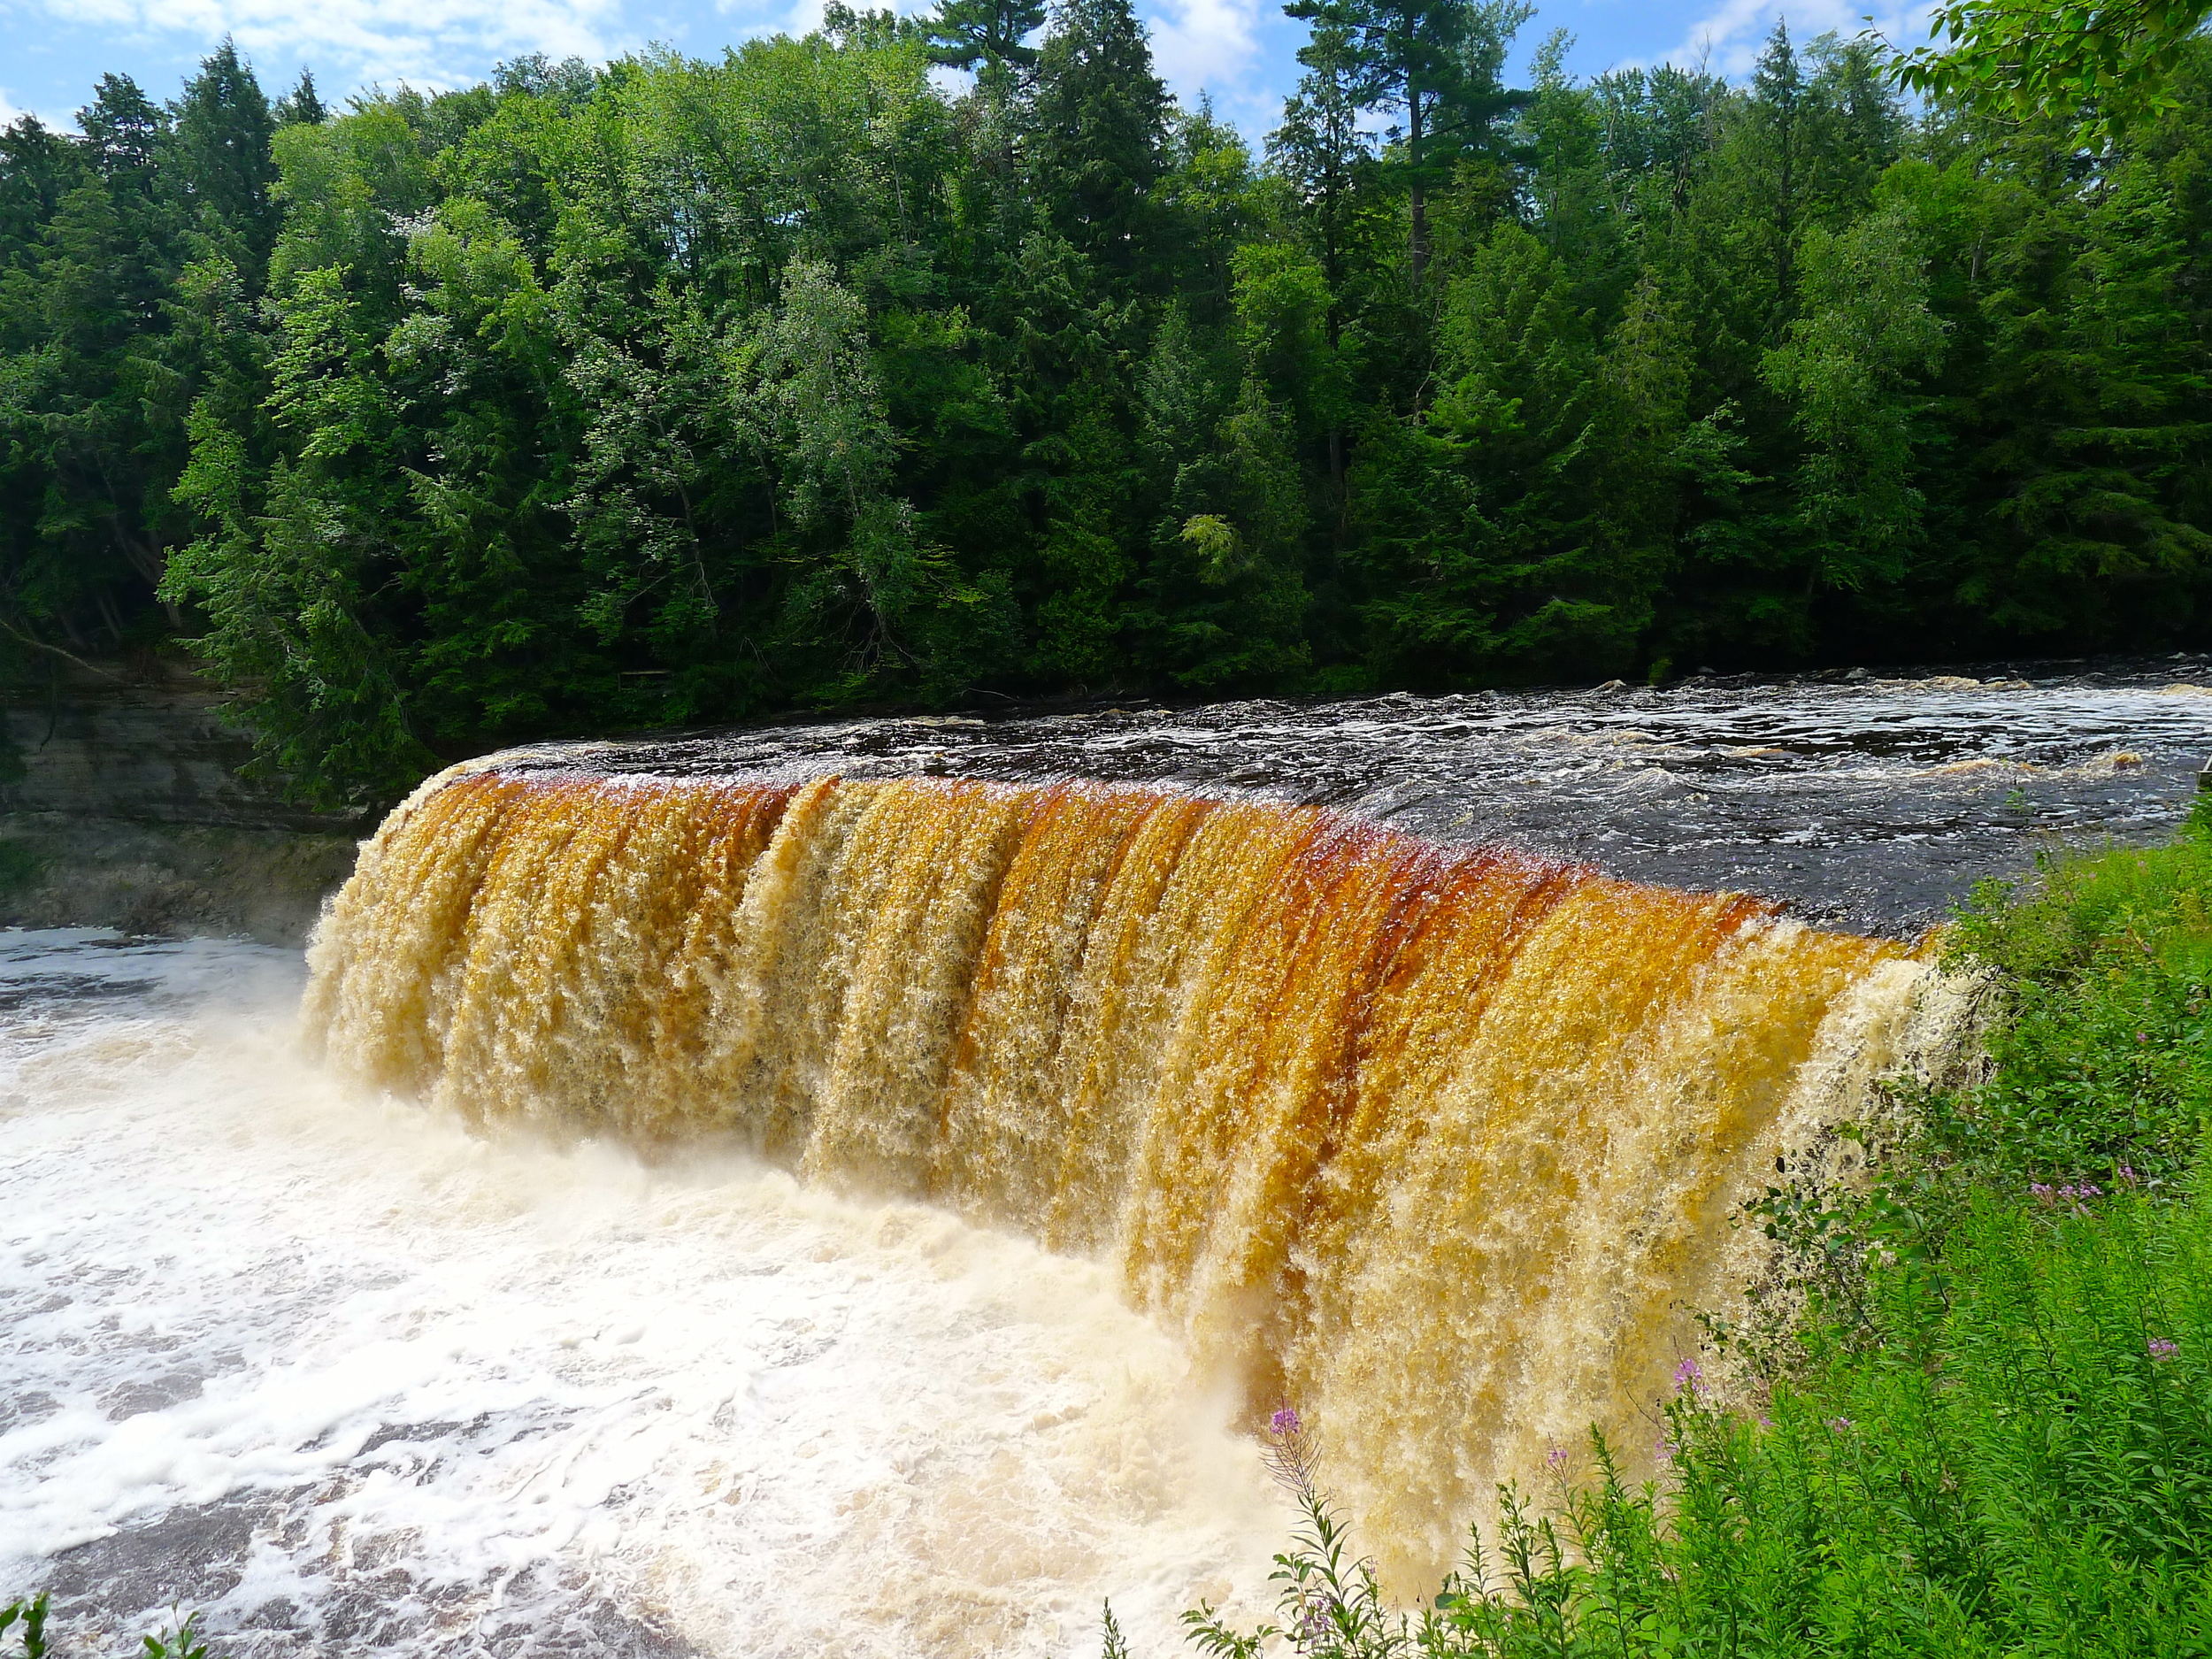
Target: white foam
(767, 1419)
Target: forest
(940, 361)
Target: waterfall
(1438, 1143)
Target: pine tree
(1778, 111)
(302, 106)
(223, 166)
(1099, 130)
(1436, 65)
(122, 129)
(1320, 149)
(965, 34)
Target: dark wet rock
(21, 1411)
(366, 1597)
(130, 813)
(157, 1394)
(191, 1555)
(143, 741)
(1864, 804)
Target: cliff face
(145, 747)
(125, 808)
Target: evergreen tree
(1435, 63)
(302, 106)
(683, 391)
(965, 34)
(1320, 150)
(122, 129)
(223, 168)
(1774, 135)
(1098, 130)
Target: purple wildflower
(1557, 1458)
(2163, 1348)
(1840, 1424)
(1284, 1421)
(1686, 1374)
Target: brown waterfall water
(1438, 1144)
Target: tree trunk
(1418, 254)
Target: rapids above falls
(1864, 804)
(737, 1166)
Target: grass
(1990, 1429)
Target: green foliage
(183, 1642)
(2104, 1063)
(21, 867)
(27, 1619)
(1991, 1432)
(683, 391)
(967, 32)
(2107, 61)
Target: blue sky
(1240, 51)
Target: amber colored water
(1436, 1143)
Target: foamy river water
(348, 1378)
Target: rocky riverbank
(122, 807)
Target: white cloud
(430, 42)
(1204, 43)
(11, 112)
(1728, 39)
(803, 17)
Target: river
(347, 1375)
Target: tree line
(937, 360)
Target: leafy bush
(21, 865)
(28, 1620)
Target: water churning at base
(1438, 1143)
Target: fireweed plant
(1986, 1430)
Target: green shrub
(2023, 1465)
(21, 865)
(28, 1620)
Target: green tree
(1864, 343)
(1098, 131)
(965, 34)
(224, 171)
(2103, 66)
(1436, 64)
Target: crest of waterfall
(1438, 1144)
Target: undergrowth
(28, 1620)
(1991, 1430)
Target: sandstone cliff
(122, 807)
